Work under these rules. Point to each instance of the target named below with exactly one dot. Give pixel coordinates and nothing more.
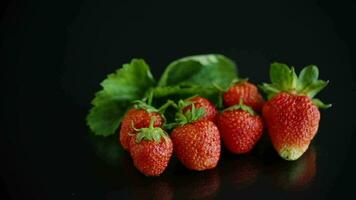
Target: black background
(55, 53)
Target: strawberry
(291, 114)
(246, 91)
(197, 144)
(240, 128)
(151, 149)
(138, 117)
(196, 139)
(201, 102)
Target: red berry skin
(249, 94)
(197, 145)
(239, 130)
(200, 102)
(292, 122)
(137, 118)
(150, 157)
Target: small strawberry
(246, 91)
(201, 102)
(138, 117)
(240, 128)
(196, 140)
(151, 149)
(291, 114)
(197, 144)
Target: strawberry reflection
(198, 185)
(296, 175)
(150, 189)
(241, 171)
(153, 189)
(139, 186)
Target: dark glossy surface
(261, 172)
(57, 52)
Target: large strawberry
(240, 128)
(246, 91)
(201, 102)
(151, 150)
(291, 114)
(196, 142)
(139, 117)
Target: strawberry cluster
(224, 111)
(291, 117)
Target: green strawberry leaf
(202, 70)
(162, 91)
(307, 76)
(180, 71)
(184, 91)
(104, 118)
(127, 84)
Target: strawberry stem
(218, 87)
(163, 108)
(150, 97)
(152, 122)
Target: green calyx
(284, 79)
(191, 115)
(184, 117)
(151, 133)
(241, 106)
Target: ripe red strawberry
(197, 144)
(292, 116)
(138, 117)
(246, 91)
(151, 150)
(201, 102)
(240, 128)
